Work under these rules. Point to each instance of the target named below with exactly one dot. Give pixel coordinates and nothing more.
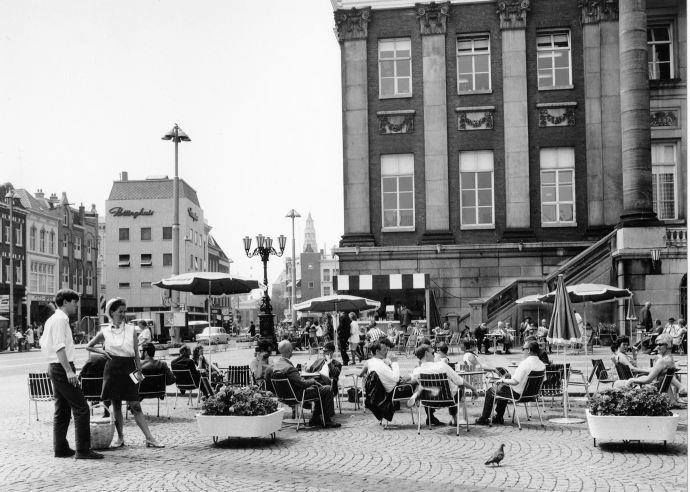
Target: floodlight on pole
(293, 214)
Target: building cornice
(594, 11)
(352, 24)
(432, 17)
(389, 4)
(513, 13)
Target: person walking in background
(344, 337)
(29, 334)
(354, 338)
(646, 316)
(252, 329)
(122, 373)
(58, 344)
(144, 336)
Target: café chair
(665, 384)
(185, 382)
(238, 376)
(153, 386)
(437, 394)
(91, 388)
(286, 395)
(40, 389)
(553, 382)
(531, 393)
(601, 373)
(624, 372)
(401, 393)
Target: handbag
(102, 430)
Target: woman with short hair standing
(122, 373)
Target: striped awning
(394, 281)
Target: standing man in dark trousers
(344, 337)
(58, 344)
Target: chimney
(53, 200)
(82, 210)
(39, 193)
(64, 200)
(123, 176)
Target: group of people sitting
(676, 330)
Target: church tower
(310, 236)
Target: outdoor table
(495, 337)
(475, 378)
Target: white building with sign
(138, 242)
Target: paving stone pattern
(361, 455)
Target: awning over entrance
(395, 289)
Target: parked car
(216, 333)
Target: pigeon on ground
(497, 456)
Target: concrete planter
(239, 426)
(631, 428)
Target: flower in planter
(631, 401)
(244, 401)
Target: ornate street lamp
(264, 249)
(177, 136)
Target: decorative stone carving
(352, 24)
(594, 11)
(476, 118)
(666, 117)
(556, 114)
(432, 17)
(513, 13)
(391, 122)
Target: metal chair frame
(239, 376)
(185, 381)
(442, 399)
(282, 387)
(623, 371)
(394, 397)
(40, 389)
(554, 376)
(601, 372)
(154, 387)
(531, 393)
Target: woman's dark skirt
(117, 385)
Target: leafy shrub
(630, 401)
(244, 401)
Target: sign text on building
(122, 212)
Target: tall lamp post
(264, 249)
(177, 136)
(293, 214)
(9, 196)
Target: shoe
(481, 421)
(332, 425)
(497, 420)
(90, 455)
(683, 393)
(118, 443)
(153, 444)
(67, 453)
(434, 421)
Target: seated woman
(656, 374)
(259, 363)
(619, 349)
(183, 361)
(203, 365)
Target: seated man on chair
(513, 385)
(386, 368)
(327, 367)
(428, 366)
(150, 366)
(282, 368)
(183, 361)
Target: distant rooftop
(151, 188)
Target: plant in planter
(240, 412)
(631, 414)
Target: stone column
(351, 30)
(432, 25)
(602, 110)
(635, 132)
(513, 20)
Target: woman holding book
(122, 373)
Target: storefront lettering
(121, 212)
(191, 213)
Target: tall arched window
(51, 243)
(32, 238)
(42, 241)
(684, 296)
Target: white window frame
(473, 54)
(657, 166)
(65, 277)
(564, 162)
(550, 52)
(20, 235)
(401, 166)
(477, 161)
(397, 45)
(146, 263)
(123, 261)
(652, 62)
(32, 238)
(42, 240)
(51, 242)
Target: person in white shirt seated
(621, 357)
(425, 354)
(328, 368)
(511, 385)
(387, 369)
(475, 363)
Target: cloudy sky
(89, 87)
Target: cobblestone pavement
(360, 455)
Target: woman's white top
(144, 337)
(118, 341)
(354, 332)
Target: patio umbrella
(208, 284)
(337, 302)
(594, 293)
(563, 329)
